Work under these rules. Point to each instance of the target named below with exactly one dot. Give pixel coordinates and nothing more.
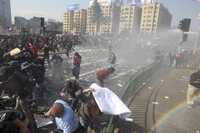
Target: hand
(88, 90)
(62, 94)
(47, 114)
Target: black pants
(80, 129)
(76, 71)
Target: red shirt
(76, 60)
(179, 55)
(33, 49)
(102, 73)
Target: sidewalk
(172, 113)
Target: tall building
(34, 25)
(80, 21)
(130, 17)
(155, 18)
(110, 15)
(110, 19)
(75, 21)
(21, 23)
(93, 26)
(53, 26)
(5, 13)
(68, 21)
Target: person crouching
(64, 117)
(103, 73)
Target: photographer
(13, 122)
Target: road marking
(94, 62)
(87, 73)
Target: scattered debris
(188, 66)
(184, 78)
(155, 103)
(166, 97)
(120, 85)
(144, 83)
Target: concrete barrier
(138, 80)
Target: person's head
(71, 87)
(76, 54)
(57, 110)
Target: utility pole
(197, 43)
(198, 35)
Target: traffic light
(180, 26)
(184, 24)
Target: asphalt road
(94, 58)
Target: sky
(54, 9)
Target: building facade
(21, 23)
(130, 17)
(155, 18)
(109, 21)
(75, 21)
(68, 21)
(5, 13)
(80, 21)
(110, 16)
(93, 25)
(35, 25)
(53, 26)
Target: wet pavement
(172, 113)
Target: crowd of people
(22, 75)
(179, 59)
